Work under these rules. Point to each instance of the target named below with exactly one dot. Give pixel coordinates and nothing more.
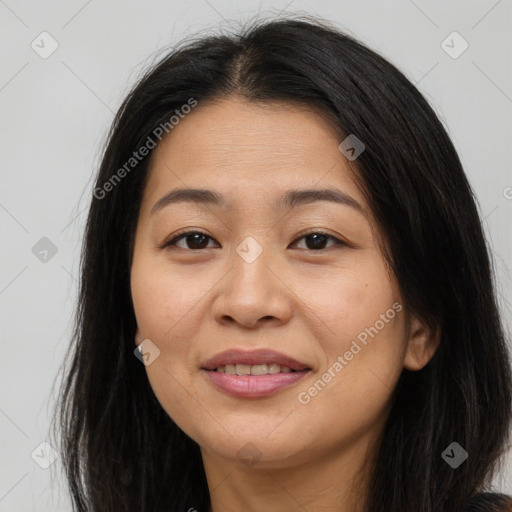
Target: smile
(245, 385)
(254, 369)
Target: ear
(422, 344)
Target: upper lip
(250, 357)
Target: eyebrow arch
(291, 199)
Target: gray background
(55, 112)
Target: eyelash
(172, 242)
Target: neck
(333, 482)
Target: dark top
(491, 502)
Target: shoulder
(490, 502)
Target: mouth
(253, 386)
(255, 369)
(253, 374)
(260, 361)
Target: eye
(317, 240)
(196, 240)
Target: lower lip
(253, 386)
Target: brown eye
(316, 240)
(193, 240)
(196, 240)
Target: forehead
(251, 151)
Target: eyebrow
(291, 199)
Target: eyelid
(171, 241)
(320, 231)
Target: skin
(308, 303)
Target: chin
(254, 450)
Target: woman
(282, 233)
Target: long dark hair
(120, 449)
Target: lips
(253, 357)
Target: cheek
(166, 308)
(365, 336)
(351, 299)
(164, 300)
(354, 388)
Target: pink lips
(258, 356)
(253, 386)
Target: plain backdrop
(56, 110)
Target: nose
(253, 293)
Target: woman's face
(256, 280)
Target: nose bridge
(251, 262)
(252, 290)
